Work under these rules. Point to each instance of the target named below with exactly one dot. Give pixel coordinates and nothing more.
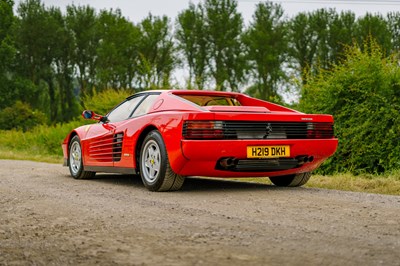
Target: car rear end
(252, 141)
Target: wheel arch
(139, 143)
(71, 135)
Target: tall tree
(35, 43)
(374, 27)
(156, 51)
(82, 23)
(63, 65)
(192, 41)
(224, 27)
(118, 51)
(266, 48)
(7, 52)
(393, 19)
(341, 36)
(307, 32)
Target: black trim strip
(111, 169)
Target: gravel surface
(48, 218)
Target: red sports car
(167, 135)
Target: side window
(145, 106)
(123, 111)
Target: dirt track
(48, 218)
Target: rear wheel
(295, 180)
(155, 169)
(75, 160)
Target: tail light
(203, 130)
(320, 130)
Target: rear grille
(259, 130)
(277, 130)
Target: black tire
(75, 161)
(296, 180)
(155, 169)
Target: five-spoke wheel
(155, 169)
(75, 160)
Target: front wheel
(155, 169)
(295, 180)
(75, 160)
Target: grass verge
(381, 184)
(388, 184)
(29, 156)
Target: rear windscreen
(211, 100)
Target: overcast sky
(136, 10)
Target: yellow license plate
(268, 151)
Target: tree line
(51, 59)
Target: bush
(102, 102)
(42, 140)
(21, 116)
(363, 94)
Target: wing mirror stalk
(88, 114)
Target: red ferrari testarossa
(167, 135)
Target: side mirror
(88, 114)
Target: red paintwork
(198, 157)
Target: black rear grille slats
(194, 129)
(276, 130)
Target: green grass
(29, 156)
(388, 184)
(381, 184)
(43, 143)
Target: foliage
(41, 140)
(266, 44)
(393, 23)
(20, 116)
(317, 39)
(376, 26)
(25, 130)
(156, 50)
(117, 52)
(102, 102)
(191, 37)
(224, 26)
(7, 50)
(304, 40)
(363, 94)
(82, 22)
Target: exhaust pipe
(227, 163)
(304, 159)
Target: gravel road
(48, 218)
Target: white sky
(136, 10)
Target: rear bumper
(204, 157)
